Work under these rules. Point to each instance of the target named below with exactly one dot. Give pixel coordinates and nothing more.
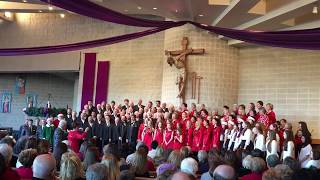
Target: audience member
(44, 167)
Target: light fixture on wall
(315, 9)
(62, 15)
(50, 8)
(139, 7)
(8, 14)
(200, 15)
(40, 11)
(24, 1)
(154, 8)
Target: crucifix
(178, 58)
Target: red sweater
(74, 138)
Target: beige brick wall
(136, 65)
(218, 67)
(290, 79)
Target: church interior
(58, 55)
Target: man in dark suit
(40, 128)
(126, 104)
(98, 130)
(138, 106)
(115, 131)
(132, 133)
(29, 129)
(106, 131)
(83, 121)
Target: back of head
(224, 172)
(43, 146)
(258, 165)
(126, 175)
(91, 156)
(26, 157)
(273, 160)
(6, 151)
(175, 158)
(202, 156)
(96, 171)
(8, 140)
(189, 165)
(71, 166)
(247, 162)
(44, 166)
(112, 166)
(182, 176)
(284, 171)
(292, 163)
(257, 153)
(154, 144)
(163, 168)
(214, 159)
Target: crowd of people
(113, 141)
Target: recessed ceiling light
(315, 10)
(155, 8)
(40, 11)
(50, 8)
(7, 14)
(139, 7)
(24, 1)
(62, 15)
(201, 15)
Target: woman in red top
(263, 118)
(141, 128)
(178, 140)
(74, 137)
(216, 131)
(158, 134)
(168, 137)
(271, 115)
(147, 134)
(197, 138)
(206, 138)
(188, 134)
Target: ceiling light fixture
(50, 8)
(139, 7)
(24, 1)
(62, 15)
(155, 8)
(176, 10)
(315, 10)
(7, 14)
(126, 10)
(201, 15)
(40, 11)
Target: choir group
(237, 128)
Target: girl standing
(168, 137)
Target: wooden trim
(315, 141)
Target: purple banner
(88, 78)
(102, 83)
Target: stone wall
(218, 67)
(289, 79)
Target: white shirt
(304, 152)
(260, 142)
(273, 149)
(315, 163)
(289, 152)
(233, 138)
(152, 153)
(247, 136)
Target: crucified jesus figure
(178, 59)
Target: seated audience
(44, 167)
(26, 158)
(175, 158)
(152, 152)
(203, 161)
(190, 166)
(140, 164)
(60, 149)
(91, 157)
(292, 163)
(182, 176)
(97, 171)
(71, 167)
(225, 172)
(273, 160)
(257, 167)
(112, 166)
(6, 152)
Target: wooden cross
(178, 58)
(195, 92)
